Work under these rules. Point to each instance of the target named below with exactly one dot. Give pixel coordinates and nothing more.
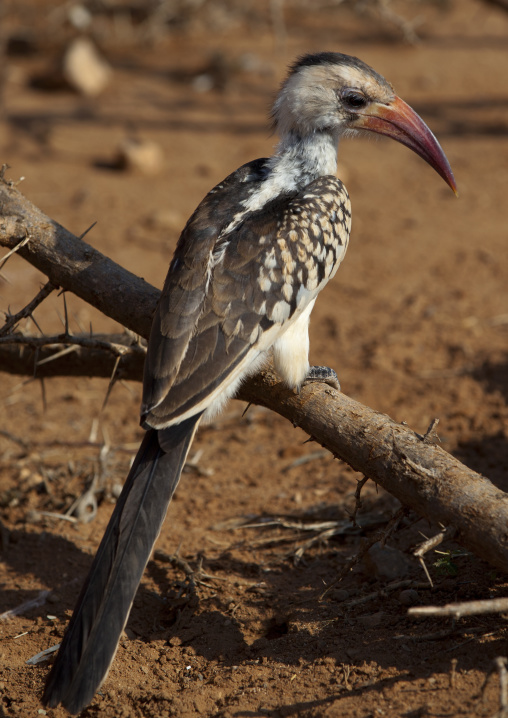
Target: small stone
(79, 17)
(116, 489)
(165, 219)
(84, 69)
(373, 620)
(409, 597)
(142, 155)
(340, 594)
(387, 563)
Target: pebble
(409, 597)
(340, 594)
(142, 155)
(387, 563)
(373, 620)
(165, 219)
(84, 69)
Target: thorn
(430, 434)
(66, 314)
(14, 250)
(36, 324)
(76, 319)
(422, 563)
(43, 393)
(36, 361)
(57, 355)
(111, 384)
(246, 409)
(82, 236)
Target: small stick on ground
(193, 576)
(453, 673)
(432, 542)
(39, 600)
(458, 610)
(406, 583)
(380, 536)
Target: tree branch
(421, 475)
(73, 264)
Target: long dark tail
(92, 637)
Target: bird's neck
(299, 160)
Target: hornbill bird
(240, 288)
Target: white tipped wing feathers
(221, 312)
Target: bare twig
(457, 610)
(434, 541)
(430, 543)
(39, 600)
(15, 249)
(358, 498)
(380, 536)
(27, 311)
(194, 576)
(383, 592)
(93, 342)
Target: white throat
(299, 160)
(296, 162)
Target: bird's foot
(323, 374)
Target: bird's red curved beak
(400, 122)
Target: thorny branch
(13, 319)
(64, 342)
(421, 475)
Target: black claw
(323, 374)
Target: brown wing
(183, 294)
(271, 265)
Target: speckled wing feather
(183, 294)
(219, 313)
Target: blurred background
(126, 114)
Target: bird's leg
(323, 374)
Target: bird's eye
(353, 99)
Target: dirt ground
(415, 323)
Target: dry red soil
(415, 324)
